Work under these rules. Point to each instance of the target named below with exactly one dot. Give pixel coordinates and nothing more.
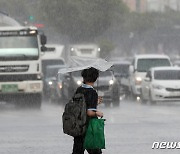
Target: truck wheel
(36, 101)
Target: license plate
(9, 88)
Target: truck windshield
(19, 48)
(144, 65)
(167, 75)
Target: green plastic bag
(95, 138)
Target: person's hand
(99, 114)
(100, 99)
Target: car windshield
(120, 69)
(105, 74)
(18, 48)
(76, 73)
(144, 65)
(52, 71)
(167, 75)
(51, 62)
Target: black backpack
(74, 116)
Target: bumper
(22, 87)
(163, 95)
(106, 94)
(136, 89)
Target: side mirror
(131, 69)
(175, 65)
(43, 39)
(43, 48)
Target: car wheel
(152, 102)
(115, 97)
(133, 97)
(116, 103)
(107, 104)
(143, 101)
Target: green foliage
(140, 23)
(94, 20)
(83, 19)
(106, 47)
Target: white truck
(20, 65)
(84, 50)
(54, 55)
(140, 65)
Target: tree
(83, 20)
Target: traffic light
(31, 18)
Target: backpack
(74, 116)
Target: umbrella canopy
(81, 63)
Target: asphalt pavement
(130, 129)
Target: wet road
(130, 129)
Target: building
(152, 5)
(162, 5)
(136, 5)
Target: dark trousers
(78, 147)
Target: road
(130, 129)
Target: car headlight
(111, 82)
(79, 82)
(60, 85)
(138, 80)
(50, 82)
(157, 87)
(72, 49)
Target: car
(161, 84)
(46, 69)
(139, 67)
(70, 83)
(51, 72)
(56, 89)
(107, 86)
(120, 70)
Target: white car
(140, 65)
(161, 84)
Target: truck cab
(20, 65)
(84, 50)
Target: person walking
(89, 75)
